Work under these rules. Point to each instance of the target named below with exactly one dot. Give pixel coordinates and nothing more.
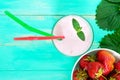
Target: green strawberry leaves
(78, 29)
(108, 18)
(114, 1)
(111, 41)
(108, 15)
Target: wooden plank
(35, 75)
(34, 58)
(49, 7)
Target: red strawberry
(80, 75)
(101, 78)
(117, 66)
(115, 77)
(95, 70)
(108, 67)
(85, 60)
(107, 59)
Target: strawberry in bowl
(97, 64)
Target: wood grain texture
(35, 75)
(49, 7)
(40, 60)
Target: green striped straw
(28, 27)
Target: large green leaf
(108, 15)
(114, 1)
(111, 41)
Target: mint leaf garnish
(78, 29)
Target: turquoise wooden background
(39, 60)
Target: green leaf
(81, 35)
(108, 15)
(111, 41)
(77, 27)
(114, 1)
(76, 24)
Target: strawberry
(101, 78)
(95, 70)
(115, 77)
(108, 67)
(80, 74)
(117, 66)
(107, 59)
(85, 60)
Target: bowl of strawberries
(97, 64)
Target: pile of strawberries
(100, 66)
